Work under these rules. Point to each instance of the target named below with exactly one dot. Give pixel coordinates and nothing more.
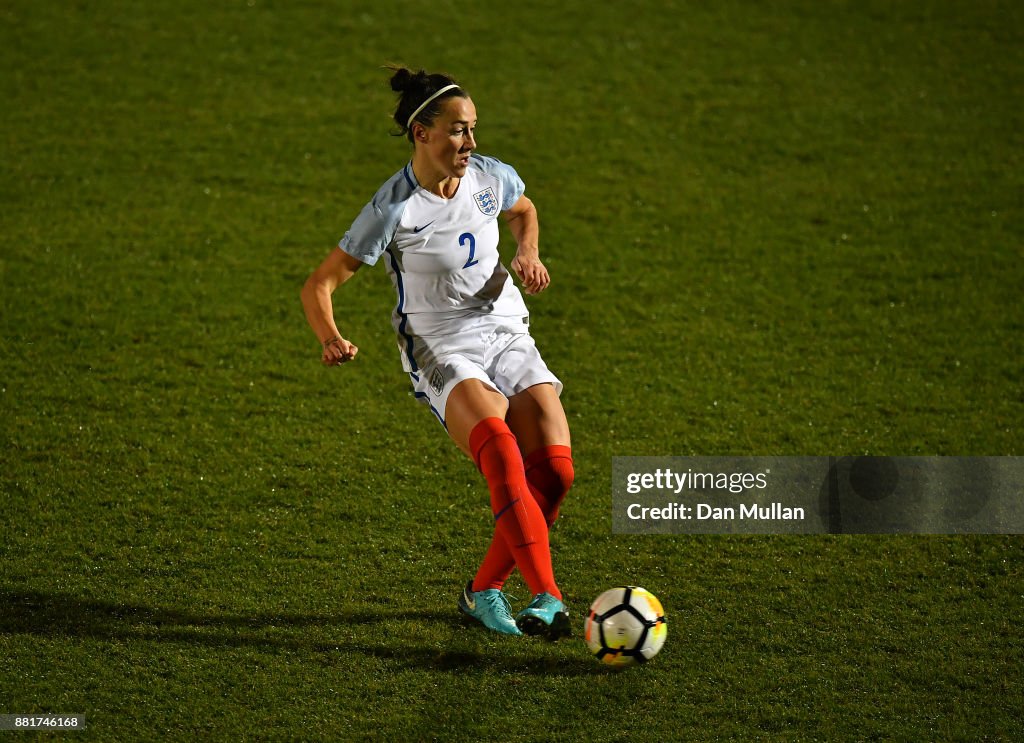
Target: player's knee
(493, 448)
(563, 473)
(558, 479)
(550, 472)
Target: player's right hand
(337, 351)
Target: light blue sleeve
(512, 186)
(373, 230)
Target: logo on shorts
(486, 201)
(437, 381)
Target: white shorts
(500, 354)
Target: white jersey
(441, 254)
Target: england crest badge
(437, 381)
(486, 201)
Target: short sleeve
(373, 230)
(512, 186)
(368, 237)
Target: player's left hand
(532, 273)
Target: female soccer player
(463, 334)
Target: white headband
(445, 89)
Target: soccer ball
(626, 625)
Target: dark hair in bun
(414, 88)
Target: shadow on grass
(60, 615)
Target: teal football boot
(490, 608)
(545, 616)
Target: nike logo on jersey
(418, 230)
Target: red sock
(518, 518)
(549, 474)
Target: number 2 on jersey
(467, 237)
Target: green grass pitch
(773, 228)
